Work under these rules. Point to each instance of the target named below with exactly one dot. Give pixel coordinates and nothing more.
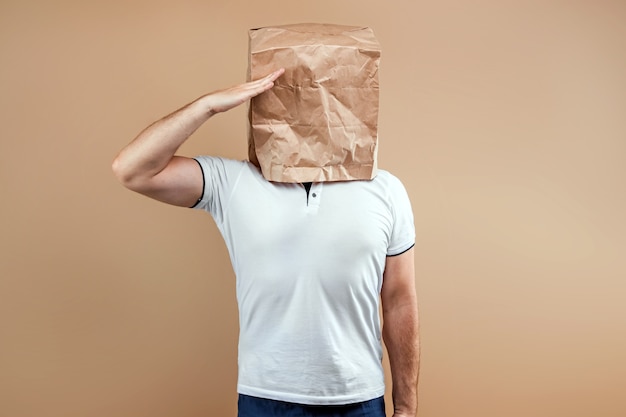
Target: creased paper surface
(320, 120)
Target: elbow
(124, 174)
(119, 171)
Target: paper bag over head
(320, 120)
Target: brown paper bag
(320, 120)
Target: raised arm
(401, 331)
(148, 164)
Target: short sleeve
(220, 176)
(403, 230)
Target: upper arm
(398, 289)
(180, 183)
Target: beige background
(505, 120)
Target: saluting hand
(223, 100)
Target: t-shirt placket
(314, 197)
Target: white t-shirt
(309, 272)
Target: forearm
(154, 148)
(151, 151)
(401, 336)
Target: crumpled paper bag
(320, 120)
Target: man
(311, 262)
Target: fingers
(263, 84)
(224, 100)
(270, 78)
(273, 76)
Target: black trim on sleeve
(406, 250)
(203, 184)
